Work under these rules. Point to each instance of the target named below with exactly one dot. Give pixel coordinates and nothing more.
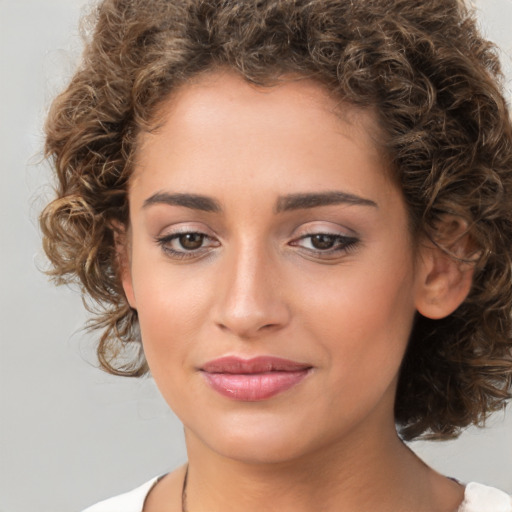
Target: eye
(191, 241)
(325, 244)
(322, 242)
(186, 244)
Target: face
(271, 266)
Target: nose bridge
(251, 300)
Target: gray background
(70, 434)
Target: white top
(132, 501)
(480, 498)
(477, 498)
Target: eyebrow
(284, 204)
(303, 201)
(193, 201)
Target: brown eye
(191, 241)
(188, 244)
(326, 245)
(323, 242)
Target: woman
(297, 216)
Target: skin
(258, 285)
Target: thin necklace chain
(184, 507)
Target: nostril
(247, 308)
(246, 331)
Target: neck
(364, 471)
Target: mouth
(252, 380)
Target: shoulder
(481, 498)
(132, 501)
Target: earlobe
(122, 247)
(444, 277)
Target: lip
(255, 379)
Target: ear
(122, 241)
(445, 270)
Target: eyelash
(342, 243)
(165, 241)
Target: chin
(269, 449)
(259, 439)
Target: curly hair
(435, 85)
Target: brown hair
(422, 66)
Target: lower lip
(252, 387)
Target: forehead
(210, 98)
(224, 86)
(219, 126)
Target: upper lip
(260, 364)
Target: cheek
(363, 319)
(171, 306)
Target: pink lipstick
(254, 379)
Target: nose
(251, 299)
